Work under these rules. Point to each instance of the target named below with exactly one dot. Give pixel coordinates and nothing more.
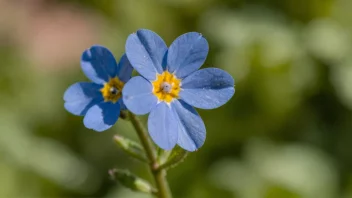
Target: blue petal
(163, 126)
(145, 50)
(138, 96)
(191, 129)
(187, 54)
(102, 116)
(124, 69)
(79, 97)
(98, 64)
(122, 104)
(207, 88)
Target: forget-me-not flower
(99, 101)
(170, 85)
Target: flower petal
(191, 128)
(207, 88)
(79, 97)
(124, 69)
(102, 116)
(145, 50)
(98, 64)
(163, 126)
(122, 104)
(187, 54)
(138, 96)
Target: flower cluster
(169, 87)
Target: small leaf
(131, 181)
(131, 147)
(176, 156)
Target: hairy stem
(158, 174)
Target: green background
(286, 133)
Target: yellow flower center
(166, 86)
(112, 90)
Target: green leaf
(131, 147)
(131, 181)
(176, 156)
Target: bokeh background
(287, 132)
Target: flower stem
(158, 174)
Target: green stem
(158, 174)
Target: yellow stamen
(166, 87)
(112, 90)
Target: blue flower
(99, 101)
(170, 85)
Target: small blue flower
(99, 101)
(170, 85)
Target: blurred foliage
(287, 133)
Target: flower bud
(176, 156)
(131, 181)
(130, 147)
